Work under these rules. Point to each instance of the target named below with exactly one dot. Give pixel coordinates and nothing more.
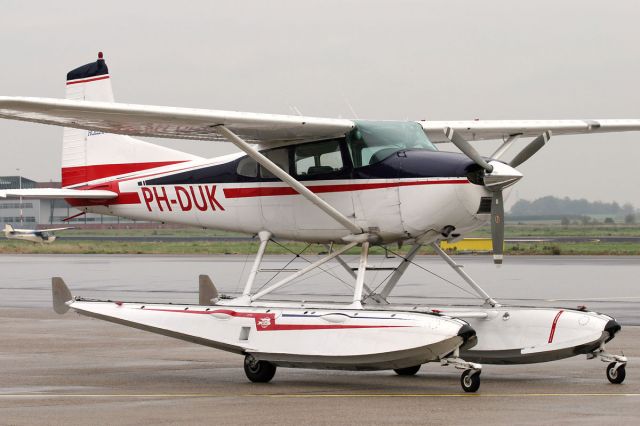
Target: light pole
(20, 187)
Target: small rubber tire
(258, 371)
(407, 371)
(470, 382)
(616, 375)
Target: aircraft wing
(55, 193)
(55, 229)
(200, 124)
(23, 231)
(170, 122)
(502, 129)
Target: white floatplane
(318, 180)
(43, 236)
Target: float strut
(488, 300)
(264, 240)
(303, 271)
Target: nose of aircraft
(423, 163)
(502, 176)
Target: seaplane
(42, 236)
(348, 184)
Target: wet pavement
(75, 370)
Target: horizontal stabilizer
(58, 193)
(208, 294)
(61, 295)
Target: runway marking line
(346, 395)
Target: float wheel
(616, 375)
(407, 371)
(258, 371)
(470, 381)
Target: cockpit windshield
(373, 141)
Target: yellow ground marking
(469, 244)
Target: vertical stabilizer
(90, 155)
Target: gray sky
(440, 60)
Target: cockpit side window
(318, 158)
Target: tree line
(554, 206)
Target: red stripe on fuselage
(319, 189)
(553, 326)
(80, 174)
(87, 80)
(134, 197)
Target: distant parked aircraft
(33, 235)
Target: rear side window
(247, 167)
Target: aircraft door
(321, 166)
(277, 198)
(375, 196)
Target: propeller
(497, 226)
(467, 149)
(498, 176)
(528, 151)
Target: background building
(42, 213)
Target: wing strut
(505, 146)
(289, 180)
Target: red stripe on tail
(82, 174)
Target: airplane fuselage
(408, 194)
(32, 236)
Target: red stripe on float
(271, 325)
(553, 326)
(319, 189)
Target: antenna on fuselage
(346, 101)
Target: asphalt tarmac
(75, 370)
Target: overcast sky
(440, 60)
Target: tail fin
(90, 155)
(7, 228)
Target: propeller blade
(467, 149)
(497, 226)
(528, 151)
